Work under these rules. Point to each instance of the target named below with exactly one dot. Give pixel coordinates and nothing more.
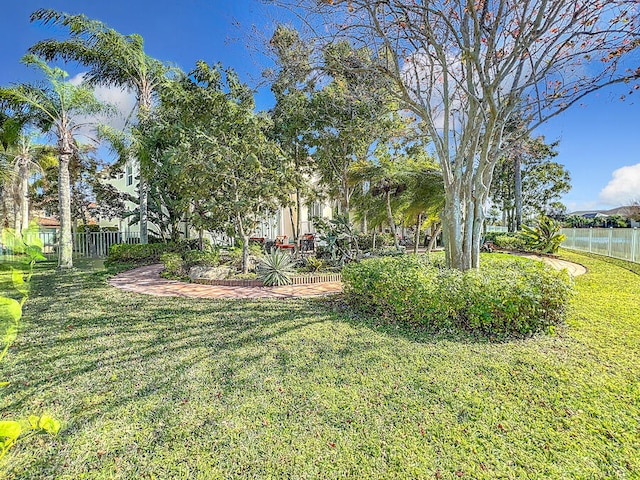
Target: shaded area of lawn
(176, 388)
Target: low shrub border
(147, 253)
(295, 280)
(508, 297)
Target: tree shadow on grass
(102, 356)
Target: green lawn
(177, 388)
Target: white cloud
(582, 206)
(624, 187)
(123, 102)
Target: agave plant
(275, 269)
(545, 237)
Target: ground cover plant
(167, 388)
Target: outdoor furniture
(282, 242)
(308, 243)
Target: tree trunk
(144, 208)
(298, 231)
(392, 224)
(245, 254)
(462, 226)
(293, 225)
(17, 209)
(517, 184)
(145, 91)
(65, 254)
(434, 238)
(245, 245)
(416, 241)
(24, 198)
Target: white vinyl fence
(497, 228)
(88, 244)
(623, 243)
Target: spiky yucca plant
(275, 269)
(545, 237)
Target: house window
(129, 175)
(314, 210)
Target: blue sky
(599, 143)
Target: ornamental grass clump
(275, 269)
(507, 297)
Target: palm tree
(425, 189)
(113, 59)
(53, 108)
(386, 181)
(405, 180)
(22, 159)
(10, 128)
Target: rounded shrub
(508, 297)
(199, 258)
(510, 242)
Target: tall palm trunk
(65, 254)
(144, 209)
(144, 108)
(23, 174)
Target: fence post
(634, 243)
(610, 241)
(590, 237)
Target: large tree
(528, 182)
(466, 68)
(55, 107)
(292, 86)
(233, 174)
(113, 59)
(352, 113)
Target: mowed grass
(178, 388)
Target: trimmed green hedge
(508, 297)
(145, 254)
(510, 242)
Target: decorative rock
(210, 273)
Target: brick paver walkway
(147, 280)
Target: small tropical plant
(275, 269)
(315, 264)
(545, 237)
(26, 249)
(340, 238)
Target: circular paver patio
(147, 280)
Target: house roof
(48, 222)
(590, 213)
(625, 211)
